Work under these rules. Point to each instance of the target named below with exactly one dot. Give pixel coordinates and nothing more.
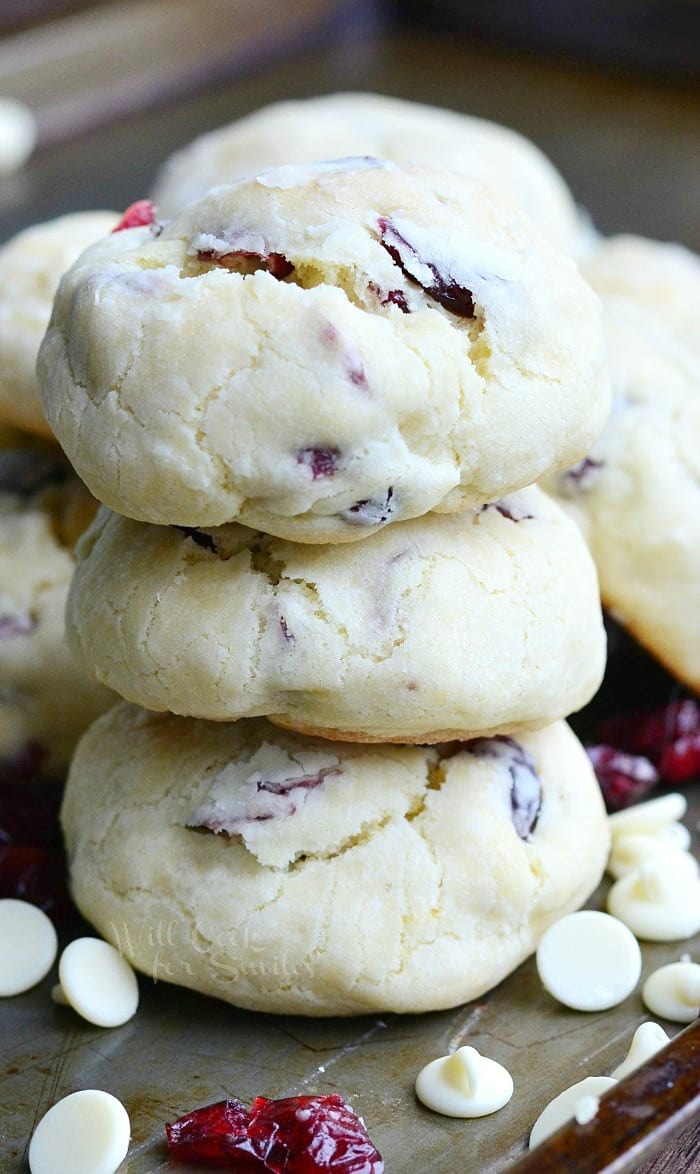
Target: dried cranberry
(321, 460)
(371, 511)
(442, 289)
(580, 477)
(36, 874)
(299, 1135)
(246, 261)
(29, 811)
(525, 789)
(214, 1135)
(624, 779)
(294, 1135)
(394, 297)
(138, 214)
(23, 766)
(669, 737)
(508, 508)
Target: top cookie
(371, 124)
(31, 266)
(319, 351)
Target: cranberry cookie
(321, 351)
(663, 278)
(637, 494)
(31, 266)
(304, 877)
(46, 701)
(450, 625)
(371, 124)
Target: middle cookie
(321, 351)
(445, 627)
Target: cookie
(450, 625)
(338, 125)
(291, 875)
(637, 495)
(321, 351)
(663, 278)
(31, 266)
(46, 700)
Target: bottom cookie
(293, 875)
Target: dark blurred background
(608, 88)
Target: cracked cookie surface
(636, 496)
(46, 699)
(31, 266)
(454, 624)
(297, 876)
(321, 351)
(336, 125)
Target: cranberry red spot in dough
(321, 460)
(440, 287)
(581, 477)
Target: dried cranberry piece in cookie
(302, 1135)
(137, 215)
(669, 736)
(525, 789)
(371, 511)
(215, 1135)
(624, 779)
(321, 460)
(580, 477)
(247, 261)
(508, 508)
(440, 287)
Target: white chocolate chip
(465, 1084)
(658, 903)
(563, 1108)
(589, 961)
(586, 1109)
(98, 982)
(647, 1040)
(631, 850)
(673, 991)
(649, 817)
(29, 946)
(17, 134)
(85, 1133)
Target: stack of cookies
(313, 403)
(46, 700)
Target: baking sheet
(630, 151)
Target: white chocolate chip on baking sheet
(98, 982)
(29, 946)
(589, 961)
(85, 1133)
